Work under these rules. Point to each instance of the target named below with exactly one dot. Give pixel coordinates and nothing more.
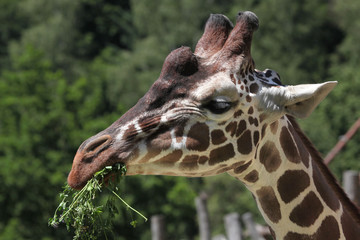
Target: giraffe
(212, 112)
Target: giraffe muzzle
(92, 156)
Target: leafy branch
(78, 209)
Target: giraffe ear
(298, 100)
(306, 97)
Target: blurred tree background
(69, 68)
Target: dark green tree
(32, 144)
(13, 22)
(340, 110)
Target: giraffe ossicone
(212, 112)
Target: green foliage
(340, 109)
(81, 211)
(101, 23)
(51, 30)
(12, 23)
(31, 140)
(296, 39)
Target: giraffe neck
(295, 193)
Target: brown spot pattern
(262, 117)
(254, 88)
(306, 213)
(269, 203)
(349, 226)
(304, 153)
(221, 154)
(217, 137)
(329, 230)
(288, 146)
(233, 78)
(241, 128)
(231, 128)
(227, 168)
(292, 183)
(149, 123)
(263, 130)
(272, 233)
(203, 159)
(256, 151)
(198, 137)
(244, 143)
(179, 133)
(252, 176)
(256, 122)
(253, 121)
(297, 236)
(222, 123)
(190, 162)
(161, 139)
(325, 190)
(170, 158)
(238, 113)
(130, 133)
(274, 127)
(270, 156)
(242, 168)
(150, 154)
(237, 164)
(256, 137)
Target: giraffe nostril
(96, 143)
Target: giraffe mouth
(81, 173)
(93, 155)
(76, 183)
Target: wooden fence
(233, 222)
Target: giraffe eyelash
(218, 106)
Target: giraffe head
(204, 114)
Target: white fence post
(158, 227)
(233, 226)
(352, 186)
(203, 216)
(250, 226)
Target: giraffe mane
(352, 209)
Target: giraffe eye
(218, 106)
